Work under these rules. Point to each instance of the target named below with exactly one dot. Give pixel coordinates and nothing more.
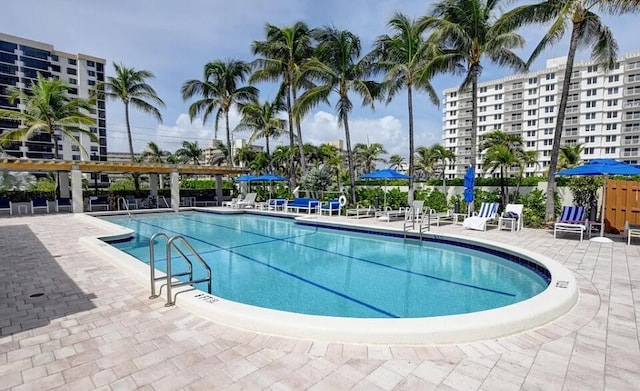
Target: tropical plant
(366, 155)
(570, 156)
(405, 58)
(317, 179)
(218, 92)
(190, 152)
(48, 109)
(500, 157)
(262, 119)
(468, 31)
(440, 154)
(283, 52)
(585, 192)
(424, 163)
(244, 156)
(587, 31)
(281, 159)
(337, 67)
(154, 154)
(395, 162)
(218, 153)
(21, 181)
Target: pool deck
(94, 328)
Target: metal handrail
(163, 199)
(152, 262)
(170, 284)
(424, 221)
(125, 205)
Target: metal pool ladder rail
(172, 244)
(413, 216)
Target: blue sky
(174, 39)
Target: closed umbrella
(469, 184)
(602, 167)
(385, 174)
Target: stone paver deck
(69, 320)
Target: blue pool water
(280, 264)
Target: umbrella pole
(604, 199)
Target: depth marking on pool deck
(320, 286)
(288, 240)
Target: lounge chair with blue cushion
(572, 219)
(98, 202)
(5, 206)
(331, 207)
(39, 203)
(64, 203)
(277, 204)
(487, 213)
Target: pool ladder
(125, 205)
(170, 246)
(418, 217)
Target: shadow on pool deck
(34, 289)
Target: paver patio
(94, 328)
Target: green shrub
(433, 198)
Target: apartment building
(20, 61)
(603, 113)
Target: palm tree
(283, 51)
(570, 156)
(48, 109)
(219, 153)
(528, 157)
(367, 154)
(500, 156)
(153, 153)
(263, 120)
(395, 162)
(405, 57)
(190, 152)
(244, 156)
(468, 31)
(587, 30)
(281, 159)
(219, 91)
(440, 154)
(338, 68)
(424, 161)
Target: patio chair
(5, 206)
(331, 207)
(64, 203)
(632, 231)
(249, 201)
(98, 202)
(572, 219)
(277, 204)
(511, 218)
(389, 214)
(132, 202)
(487, 213)
(39, 203)
(361, 212)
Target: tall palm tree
(218, 92)
(281, 159)
(190, 152)
(405, 57)
(244, 156)
(219, 155)
(153, 153)
(395, 162)
(263, 120)
(337, 67)
(283, 52)
(48, 109)
(527, 158)
(424, 162)
(587, 30)
(440, 154)
(468, 31)
(367, 154)
(500, 157)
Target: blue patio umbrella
(469, 183)
(385, 174)
(246, 178)
(270, 178)
(602, 167)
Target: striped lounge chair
(487, 213)
(572, 219)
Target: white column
(153, 184)
(76, 190)
(63, 182)
(175, 190)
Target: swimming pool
(280, 264)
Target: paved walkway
(70, 320)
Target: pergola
(77, 167)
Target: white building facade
(603, 113)
(20, 61)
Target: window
(592, 68)
(482, 99)
(72, 61)
(610, 150)
(549, 109)
(590, 128)
(73, 81)
(91, 82)
(612, 114)
(612, 90)
(548, 131)
(533, 80)
(591, 104)
(612, 126)
(453, 112)
(610, 139)
(590, 116)
(590, 139)
(482, 109)
(532, 91)
(482, 118)
(483, 89)
(531, 144)
(497, 116)
(571, 132)
(549, 98)
(91, 73)
(592, 80)
(612, 102)
(614, 78)
(452, 122)
(592, 92)
(516, 116)
(548, 120)
(498, 97)
(550, 76)
(532, 102)
(545, 153)
(532, 112)
(498, 106)
(54, 58)
(71, 71)
(91, 64)
(550, 87)
(531, 133)
(589, 151)
(453, 94)
(547, 142)
(531, 122)
(498, 87)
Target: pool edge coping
(464, 328)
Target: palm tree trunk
(266, 140)
(136, 177)
(475, 71)
(56, 155)
(352, 173)
(444, 181)
(555, 150)
(303, 158)
(226, 122)
(411, 144)
(292, 173)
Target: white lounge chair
(249, 201)
(572, 219)
(389, 214)
(487, 213)
(361, 212)
(511, 218)
(631, 231)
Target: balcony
(627, 105)
(631, 128)
(632, 116)
(633, 141)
